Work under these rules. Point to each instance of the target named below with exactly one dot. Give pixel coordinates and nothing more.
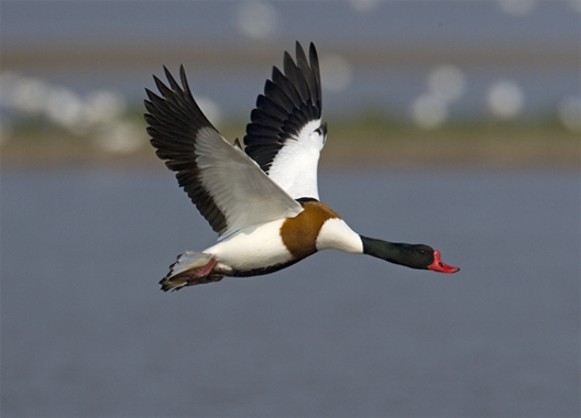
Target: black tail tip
(176, 283)
(172, 284)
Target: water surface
(86, 331)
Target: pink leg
(203, 271)
(192, 277)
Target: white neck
(336, 234)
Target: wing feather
(286, 135)
(227, 187)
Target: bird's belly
(252, 249)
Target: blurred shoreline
(386, 56)
(355, 143)
(396, 101)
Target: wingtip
(313, 56)
(184, 80)
(299, 47)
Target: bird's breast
(300, 234)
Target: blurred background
(451, 123)
(502, 73)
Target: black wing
(290, 101)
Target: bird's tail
(190, 268)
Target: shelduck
(262, 199)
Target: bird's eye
(322, 129)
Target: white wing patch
(294, 168)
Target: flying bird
(261, 198)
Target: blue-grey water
(87, 332)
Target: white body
(251, 248)
(257, 247)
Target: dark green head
(417, 256)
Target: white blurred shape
(429, 111)
(103, 106)
(364, 6)
(336, 72)
(570, 113)
(25, 94)
(65, 108)
(505, 99)
(257, 19)
(447, 82)
(517, 7)
(119, 137)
